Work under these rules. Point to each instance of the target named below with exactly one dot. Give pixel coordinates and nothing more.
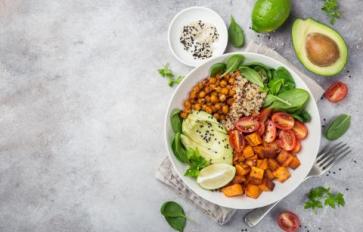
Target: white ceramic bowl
(187, 16)
(307, 155)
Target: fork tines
(331, 154)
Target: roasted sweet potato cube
(266, 185)
(287, 162)
(256, 173)
(262, 163)
(283, 155)
(272, 164)
(233, 190)
(251, 163)
(253, 157)
(239, 179)
(269, 174)
(295, 162)
(282, 174)
(259, 150)
(242, 170)
(255, 181)
(248, 152)
(254, 139)
(253, 191)
(271, 150)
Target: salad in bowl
(242, 130)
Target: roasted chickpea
(225, 109)
(224, 91)
(231, 80)
(192, 94)
(187, 104)
(230, 101)
(207, 98)
(201, 94)
(201, 100)
(197, 107)
(184, 114)
(208, 109)
(232, 92)
(222, 97)
(218, 106)
(222, 117)
(223, 83)
(216, 115)
(214, 98)
(212, 80)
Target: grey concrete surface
(82, 106)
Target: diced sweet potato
(242, 170)
(287, 162)
(272, 164)
(295, 162)
(239, 179)
(259, 150)
(248, 152)
(254, 139)
(282, 156)
(255, 181)
(251, 163)
(262, 163)
(281, 174)
(271, 150)
(266, 185)
(256, 173)
(253, 191)
(233, 190)
(253, 157)
(269, 174)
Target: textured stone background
(82, 106)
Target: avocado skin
(341, 41)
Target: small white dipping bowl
(307, 155)
(188, 16)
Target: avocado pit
(321, 50)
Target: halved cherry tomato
(300, 130)
(297, 147)
(236, 140)
(283, 120)
(270, 134)
(264, 115)
(287, 140)
(288, 221)
(336, 92)
(247, 124)
(261, 129)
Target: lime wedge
(216, 175)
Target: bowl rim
(168, 146)
(171, 24)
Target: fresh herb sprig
(167, 73)
(331, 9)
(196, 163)
(174, 215)
(319, 194)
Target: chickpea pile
(214, 95)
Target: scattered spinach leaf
(337, 127)
(233, 63)
(217, 68)
(316, 195)
(169, 75)
(174, 214)
(235, 34)
(196, 163)
(331, 9)
(176, 121)
(251, 75)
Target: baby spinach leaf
(217, 68)
(235, 34)
(251, 75)
(233, 63)
(174, 214)
(338, 127)
(178, 149)
(176, 121)
(275, 85)
(281, 81)
(290, 100)
(302, 116)
(262, 72)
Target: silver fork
(326, 158)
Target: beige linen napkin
(168, 176)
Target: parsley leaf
(169, 75)
(316, 195)
(331, 9)
(196, 163)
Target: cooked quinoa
(248, 100)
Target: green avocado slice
(301, 30)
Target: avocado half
(321, 49)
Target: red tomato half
(288, 221)
(287, 140)
(297, 147)
(300, 130)
(336, 92)
(283, 120)
(261, 129)
(247, 124)
(236, 140)
(270, 134)
(264, 115)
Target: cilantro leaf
(169, 75)
(331, 9)
(319, 194)
(196, 163)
